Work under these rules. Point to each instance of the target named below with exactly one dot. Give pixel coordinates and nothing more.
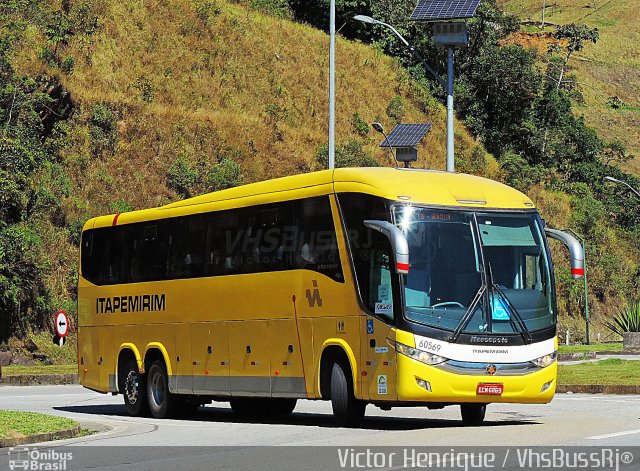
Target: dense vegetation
(519, 102)
(110, 106)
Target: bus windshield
(492, 264)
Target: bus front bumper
(418, 382)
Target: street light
(447, 85)
(373, 21)
(615, 180)
(380, 128)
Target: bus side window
(316, 236)
(186, 247)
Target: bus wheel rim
(131, 387)
(157, 389)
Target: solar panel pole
(332, 85)
(450, 154)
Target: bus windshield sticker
(384, 308)
(500, 311)
(383, 292)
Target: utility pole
(332, 86)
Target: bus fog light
(545, 360)
(546, 386)
(424, 384)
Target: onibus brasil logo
(34, 459)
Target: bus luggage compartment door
(249, 354)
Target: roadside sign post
(62, 328)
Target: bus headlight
(545, 360)
(419, 355)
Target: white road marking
(612, 435)
(50, 396)
(570, 397)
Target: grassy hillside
(179, 97)
(609, 68)
(201, 81)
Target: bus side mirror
(398, 243)
(576, 251)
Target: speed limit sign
(62, 324)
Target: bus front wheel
(473, 414)
(162, 403)
(347, 410)
(134, 390)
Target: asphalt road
(571, 419)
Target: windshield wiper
(464, 322)
(524, 331)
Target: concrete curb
(41, 437)
(35, 380)
(598, 389)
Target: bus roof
(411, 185)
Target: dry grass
(611, 67)
(239, 78)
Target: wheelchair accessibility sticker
(500, 310)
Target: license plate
(490, 389)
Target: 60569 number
(428, 345)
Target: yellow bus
(383, 286)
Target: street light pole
(450, 154)
(332, 86)
(615, 180)
(448, 85)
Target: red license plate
(485, 389)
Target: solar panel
(406, 135)
(433, 10)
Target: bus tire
(347, 410)
(282, 407)
(162, 403)
(134, 390)
(245, 407)
(473, 414)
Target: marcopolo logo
(34, 459)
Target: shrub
(103, 129)
(225, 174)
(350, 154)
(627, 320)
(181, 177)
(395, 109)
(359, 125)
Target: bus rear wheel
(347, 410)
(134, 390)
(473, 414)
(162, 403)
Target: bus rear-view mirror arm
(576, 251)
(398, 243)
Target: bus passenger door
(249, 371)
(378, 331)
(379, 359)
